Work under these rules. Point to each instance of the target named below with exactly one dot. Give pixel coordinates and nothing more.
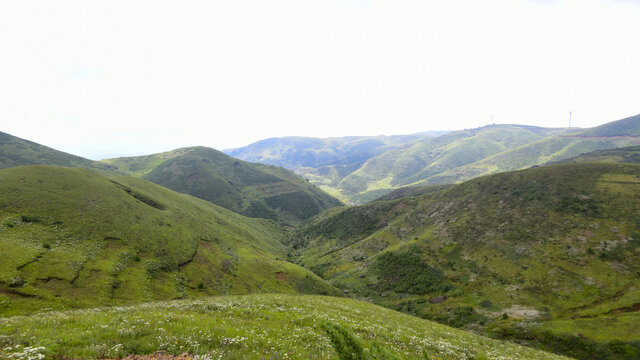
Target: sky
(113, 78)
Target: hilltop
(74, 238)
(548, 255)
(15, 151)
(254, 190)
(250, 327)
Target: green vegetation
(549, 150)
(406, 272)
(15, 151)
(549, 256)
(624, 127)
(446, 159)
(408, 191)
(253, 190)
(72, 238)
(249, 327)
(295, 152)
(624, 155)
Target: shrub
(461, 316)
(29, 219)
(406, 272)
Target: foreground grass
(251, 326)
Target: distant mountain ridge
(254, 190)
(293, 152)
(446, 159)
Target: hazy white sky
(109, 78)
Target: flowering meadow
(266, 326)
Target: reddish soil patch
(282, 277)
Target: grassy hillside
(253, 190)
(626, 127)
(552, 149)
(249, 327)
(625, 155)
(15, 151)
(73, 238)
(297, 152)
(548, 255)
(408, 191)
(446, 159)
(427, 158)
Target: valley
(464, 244)
(254, 190)
(446, 159)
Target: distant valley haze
(93, 79)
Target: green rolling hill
(254, 190)
(446, 159)
(624, 155)
(74, 238)
(295, 152)
(625, 127)
(424, 159)
(548, 150)
(612, 135)
(548, 255)
(15, 151)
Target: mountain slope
(73, 238)
(253, 190)
(424, 159)
(620, 133)
(409, 191)
(294, 152)
(552, 149)
(446, 159)
(624, 155)
(556, 147)
(250, 327)
(625, 127)
(15, 151)
(555, 248)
